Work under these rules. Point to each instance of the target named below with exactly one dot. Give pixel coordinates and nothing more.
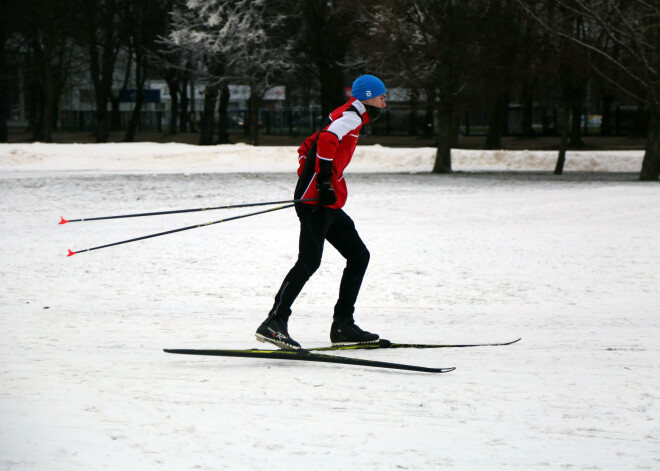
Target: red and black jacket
(325, 154)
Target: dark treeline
(447, 57)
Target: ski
(306, 355)
(387, 344)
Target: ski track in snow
(569, 263)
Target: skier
(322, 160)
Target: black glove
(327, 195)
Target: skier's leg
(345, 238)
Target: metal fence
(396, 120)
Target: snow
(176, 158)
(498, 250)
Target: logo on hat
(368, 92)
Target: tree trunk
(254, 102)
(208, 116)
(428, 112)
(561, 159)
(332, 95)
(651, 163)
(576, 125)
(37, 123)
(183, 106)
(115, 114)
(606, 123)
(446, 129)
(48, 104)
(101, 129)
(102, 80)
(49, 111)
(140, 79)
(223, 120)
(115, 97)
(33, 106)
(135, 115)
(4, 86)
(528, 114)
(414, 104)
(44, 123)
(174, 105)
(102, 68)
(496, 122)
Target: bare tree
(327, 31)
(430, 45)
(625, 34)
(8, 28)
(146, 22)
(239, 42)
(571, 68)
(499, 64)
(45, 34)
(173, 65)
(101, 28)
(534, 67)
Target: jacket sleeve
(326, 147)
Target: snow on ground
(569, 263)
(173, 157)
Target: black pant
(318, 224)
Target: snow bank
(174, 158)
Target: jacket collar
(361, 109)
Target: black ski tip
(425, 369)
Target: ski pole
(71, 252)
(177, 211)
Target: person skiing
(322, 159)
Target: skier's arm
(326, 148)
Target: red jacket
(335, 144)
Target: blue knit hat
(367, 86)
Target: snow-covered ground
(499, 250)
(175, 158)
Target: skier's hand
(327, 195)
